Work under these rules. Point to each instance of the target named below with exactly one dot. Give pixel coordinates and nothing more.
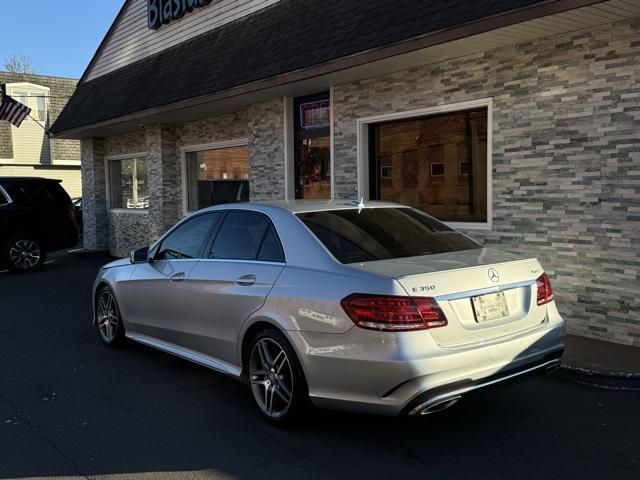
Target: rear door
(156, 291)
(241, 267)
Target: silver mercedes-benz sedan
(373, 307)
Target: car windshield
(370, 234)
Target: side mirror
(140, 255)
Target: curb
(601, 379)
(88, 253)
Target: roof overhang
(510, 28)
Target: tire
(23, 254)
(108, 318)
(276, 382)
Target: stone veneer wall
(121, 231)
(266, 150)
(566, 159)
(127, 231)
(232, 126)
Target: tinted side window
(187, 241)
(271, 251)
(240, 236)
(3, 198)
(57, 193)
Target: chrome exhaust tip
(428, 409)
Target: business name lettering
(162, 12)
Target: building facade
(517, 122)
(27, 151)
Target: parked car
(373, 307)
(77, 208)
(36, 217)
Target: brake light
(72, 214)
(545, 293)
(393, 313)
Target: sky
(60, 36)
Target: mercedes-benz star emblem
(494, 276)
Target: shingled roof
(289, 36)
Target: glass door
(313, 147)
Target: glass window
(436, 164)
(217, 176)
(271, 250)
(240, 237)
(39, 105)
(129, 183)
(383, 233)
(187, 241)
(3, 198)
(313, 147)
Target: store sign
(315, 114)
(164, 11)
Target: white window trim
(107, 179)
(237, 142)
(363, 149)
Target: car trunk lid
(485, 294)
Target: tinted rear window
(383, 233)
(36, 192)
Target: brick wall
(61, 90)
(566, 159)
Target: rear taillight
(545, 294)
(393, 313)
(72, 214)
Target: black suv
(36, 217)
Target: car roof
(306, 206)
(28, 179)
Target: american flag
(12, 111)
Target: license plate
(492, 306)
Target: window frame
(215, 234)
(184, 151)
(107, 177)
(364, 148)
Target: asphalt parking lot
(72, 408)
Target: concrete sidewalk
(602, 364)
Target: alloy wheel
(271, 378)
(24, 254)
(107, 316)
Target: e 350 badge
(424, 288)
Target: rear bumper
(392, 374)
(438, 399)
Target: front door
(234, 280)
(157, 290)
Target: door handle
(177, 277)
(246, 280)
